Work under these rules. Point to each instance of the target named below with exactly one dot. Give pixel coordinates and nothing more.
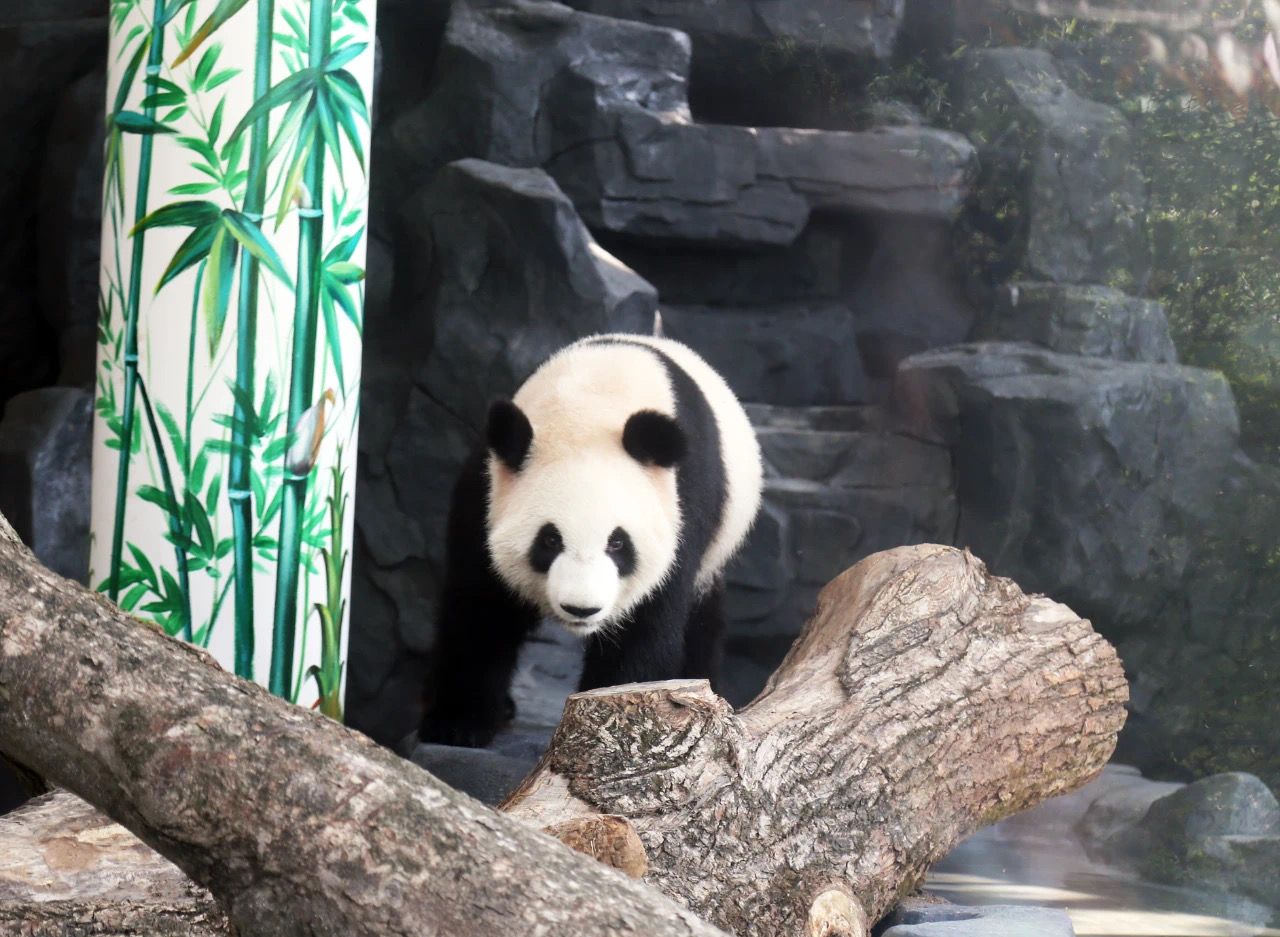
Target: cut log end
(610, 839)
(836, 913)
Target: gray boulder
(755, 61)
(950, 920)
(840, 484)
(1087, 479)
(1221, 832)
(1065, 168)
(38, 61)
(507, 275)
(46, 441)
(13, 12)
(69, 226)
(602, 105)
(790, 355)
(1095, 321)
(1118, 488)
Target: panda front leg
(480, 628)
(704, 637)
(648, 647)
(477, 648)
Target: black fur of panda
(610, 494)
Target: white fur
(579, 477)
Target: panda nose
(577, 611)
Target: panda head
(583, 522)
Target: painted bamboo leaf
(223, 486)
(221, 13)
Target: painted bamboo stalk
(177, 531)
(239, 489)
(217, 166)
(154, 58)
(306, 308)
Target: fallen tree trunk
(924, 699)
(296, 824)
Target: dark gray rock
(1106, 828)
(1221, 832)
(774, 63)
(1084, 478)
(821, 265)
(1068, 170)
(14, 12)
(601, 104)
(1233, 804)
(38, 62)
(1080, 320)
(650, 174)
(1117, 488)
(496, 63)
(519, 277)
(909, 296)
(69, 226)
(46, 441)
(792, 355)
(506, 275)
(949, 920)
(841, 483)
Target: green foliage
(1209, 158)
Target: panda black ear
(508, 433)
(654, 438)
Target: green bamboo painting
(230, 319)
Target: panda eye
(550, 539)
(616, 543)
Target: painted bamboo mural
(228, 375)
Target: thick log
(65, 869)
(296, 824)
(924, 700)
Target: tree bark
(296, 824)
(924, 700)
(65, 869)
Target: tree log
(65, 869)
(296, 824)
(924, 699)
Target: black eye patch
(546, 546)
(622, 551)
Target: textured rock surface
(949, 920)
(1095, 321)
(507, 275)
(39, 60)
(841, 483)
(1084, 478)
(1063, 166)
(791, 355)
(602, 105)
(1117, 487)
(1221, 832)
(45, 454)
(69, 225)
(754, 60)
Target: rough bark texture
(66, 870)
(924, 699)
(299, 826)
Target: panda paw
(462, 731)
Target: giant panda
(608, 494)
